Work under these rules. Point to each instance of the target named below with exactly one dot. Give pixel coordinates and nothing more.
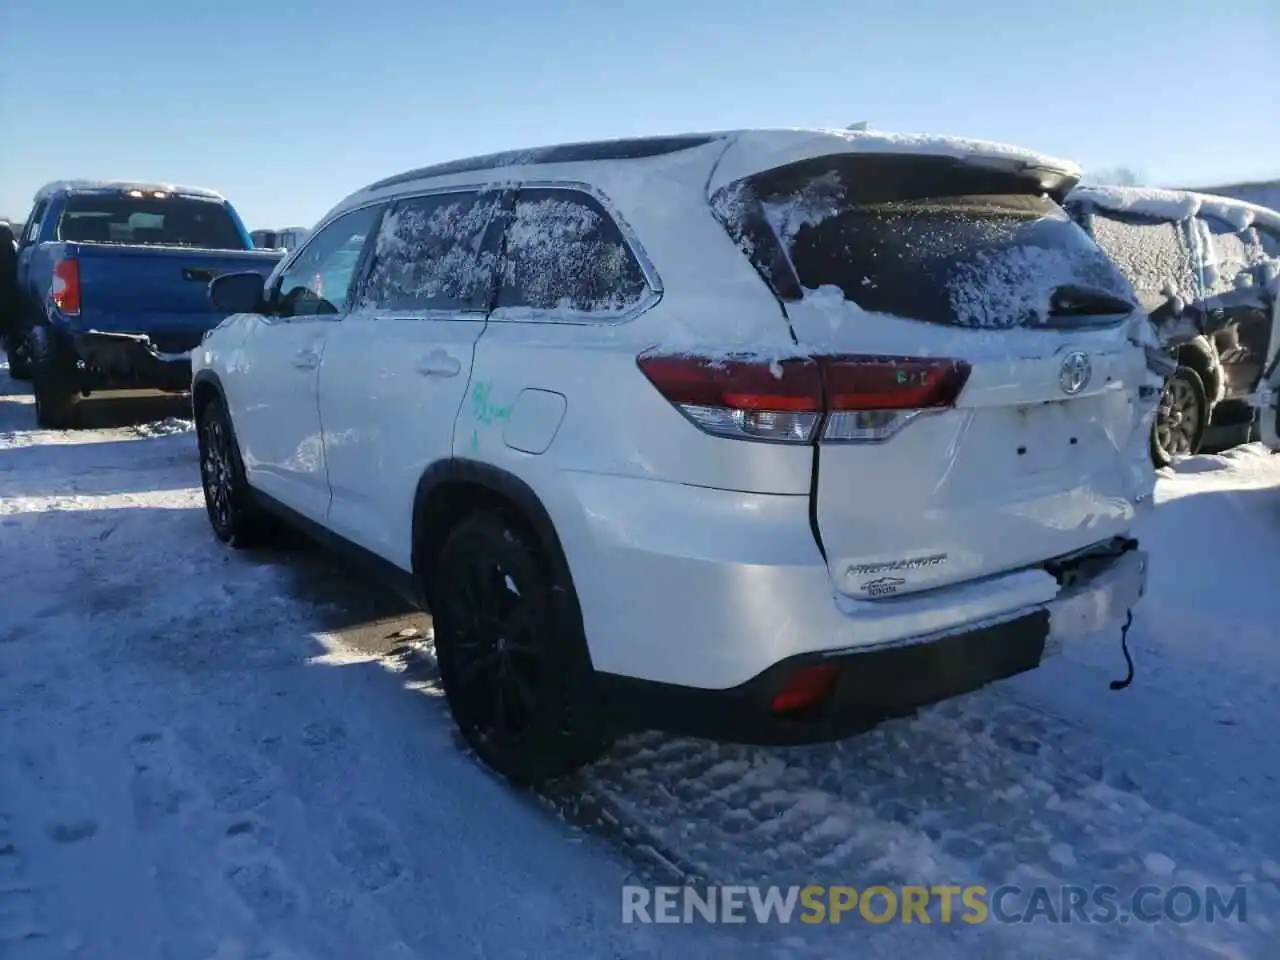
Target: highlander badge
(891, 566)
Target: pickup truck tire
(53, 380)
(235, 519)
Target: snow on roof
(756, 150)
(1176, 205)
(73, 186)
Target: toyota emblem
(1075, 373)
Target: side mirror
(237, 293)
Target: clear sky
(286, 106)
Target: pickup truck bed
(146, 308)
(113, 285)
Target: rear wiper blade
(1073, 301)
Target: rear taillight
(872, 398)
(64, 291)
(842, 398)
(746, 399)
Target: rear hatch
(987, 389)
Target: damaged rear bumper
(863, 687)
(1096, 594)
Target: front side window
(564, 252)
(149, 221)
(1231, 255)
(428, 255)
(921, 238)
(1154, 254)
(1238, 257)
(1269, 240)
(319, 278)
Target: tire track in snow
(978, 790)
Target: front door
(1242, 334)
(274, 381)
(396, 370)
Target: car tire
(234, 517)
(512, 653)
(1181, 419)
(53, 380)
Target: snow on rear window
(821, 199)
(1016, 284)
(564, 252)
(971, 261)
(427, 254)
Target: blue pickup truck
(112, 288)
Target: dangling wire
(1124, 646)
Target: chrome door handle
(439, 364)
(306, 359)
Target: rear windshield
(149, 221)
(923, 238)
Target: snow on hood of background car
(1175, 205)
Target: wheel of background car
(17, 352)
(515, 672)
(232, 514)
(52, 381)
(1181, 418)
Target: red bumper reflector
(806, 687)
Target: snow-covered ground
(210, 754)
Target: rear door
(396, 370)
(993, 399)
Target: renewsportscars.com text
(969, 904)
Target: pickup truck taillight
(65, 289)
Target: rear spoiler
(754, 152)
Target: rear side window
(922, 238)
(564, 252)
(32, 230)
(149, 221)
(428, 255)
(1154, 254)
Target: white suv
(763, 435)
